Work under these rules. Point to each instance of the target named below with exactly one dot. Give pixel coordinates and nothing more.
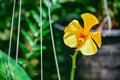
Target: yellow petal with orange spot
(97, 38)
(89, 21)
(88, 48)
(73, 27)
(70, 40)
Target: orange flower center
(84, 36)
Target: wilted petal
(89, 21)
(73, 27)
(88, 48)
(70, 40)
(97, 38)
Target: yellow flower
(81, 38)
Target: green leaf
(34, 55)
(35, 16)
(37, 47)
(32, 27)
(46, 24)
(28, 37)
(37, 53)
(45, 2)
(54, 7)
(45, 32)
(22, 61)
(20, 73)
(90, 8)
(31, 67)
(24, 49)
(44, 12)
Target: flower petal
(89, 21)
(88, 48)
(70, 40)
(97, 38)
(73, 27)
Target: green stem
(73, 65)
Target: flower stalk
(73, 65)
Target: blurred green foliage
(62, 12)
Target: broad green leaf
(28, 37)
(32, 27)
(20, 73)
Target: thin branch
(10, 42)
(53, 44)
(102, 23)
(18, 36)
(108, 16)
(41, 52)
